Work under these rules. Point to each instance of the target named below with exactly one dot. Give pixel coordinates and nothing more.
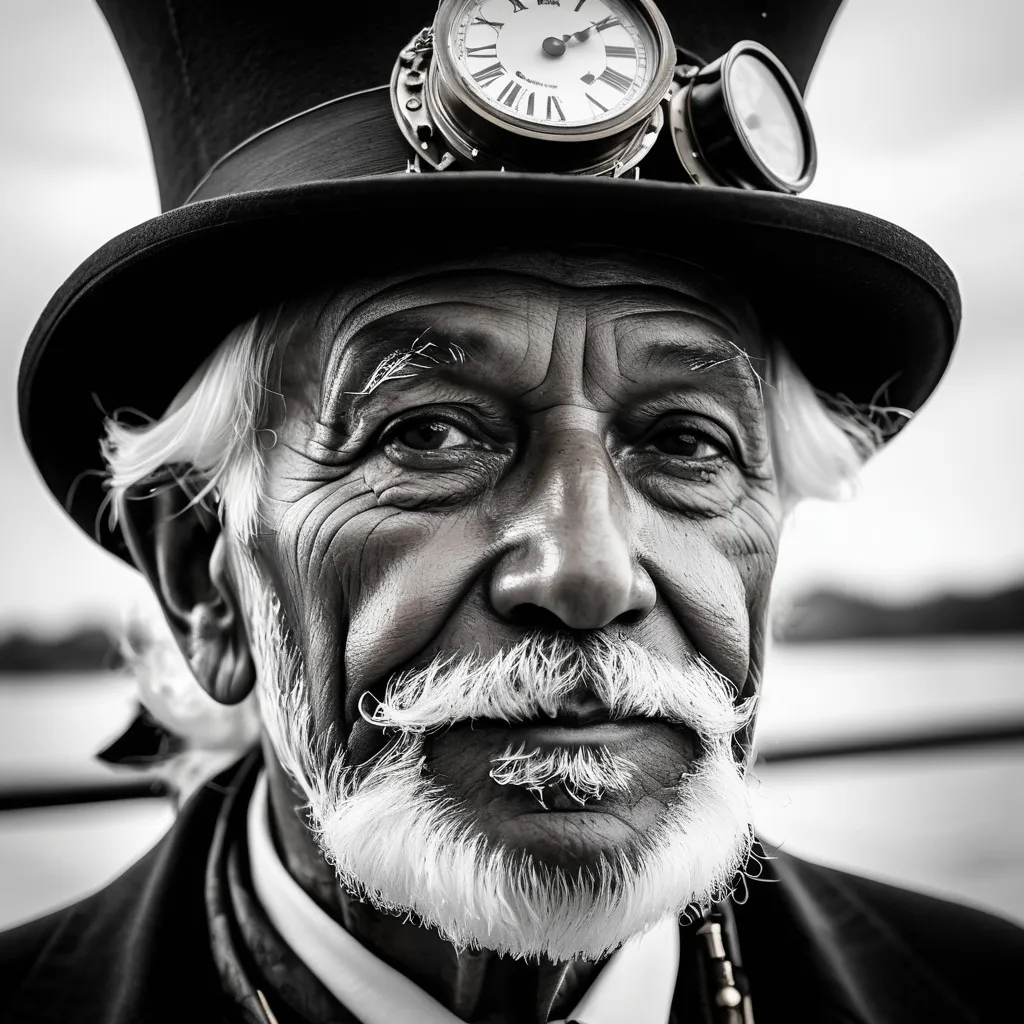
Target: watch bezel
(775, 67)
(447, 84)
(710, 105)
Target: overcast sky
(918, 107)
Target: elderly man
(476, 479)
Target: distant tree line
(86, 649)
(827, 615)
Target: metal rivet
(728, 997)
(413, 104)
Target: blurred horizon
(916, 106)
(818, 616)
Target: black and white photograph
(510, 512)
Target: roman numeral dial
(554, 65)
(510, 94)
(489, 74)
(615, 79)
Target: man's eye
(686, 443)
(429, 436)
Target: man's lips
(464, 755)
(563, 732)
(583, 731)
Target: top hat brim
(868, 311)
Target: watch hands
(554, 46)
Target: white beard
(397, 838)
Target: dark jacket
(818, 945)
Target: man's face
(533, 446)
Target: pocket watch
(584, 87)
(562, 85)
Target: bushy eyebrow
(707, 356)
(413, 347)
(422, 354)
(739, 356)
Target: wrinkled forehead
(608, 272)
(636, 309)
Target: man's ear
(182, 551)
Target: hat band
(358, 135)
(349, 137)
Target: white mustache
(540, 673)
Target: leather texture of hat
(257, 210)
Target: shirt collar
(635, 986)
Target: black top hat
(868, 311)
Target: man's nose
(568, 561)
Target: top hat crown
(212, 73)
(282, 167)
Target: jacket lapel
(877, 973)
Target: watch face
(553, 64)
(767, 117)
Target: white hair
(583, 773)
(819, 442)
(213, 437)
(477, 891)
